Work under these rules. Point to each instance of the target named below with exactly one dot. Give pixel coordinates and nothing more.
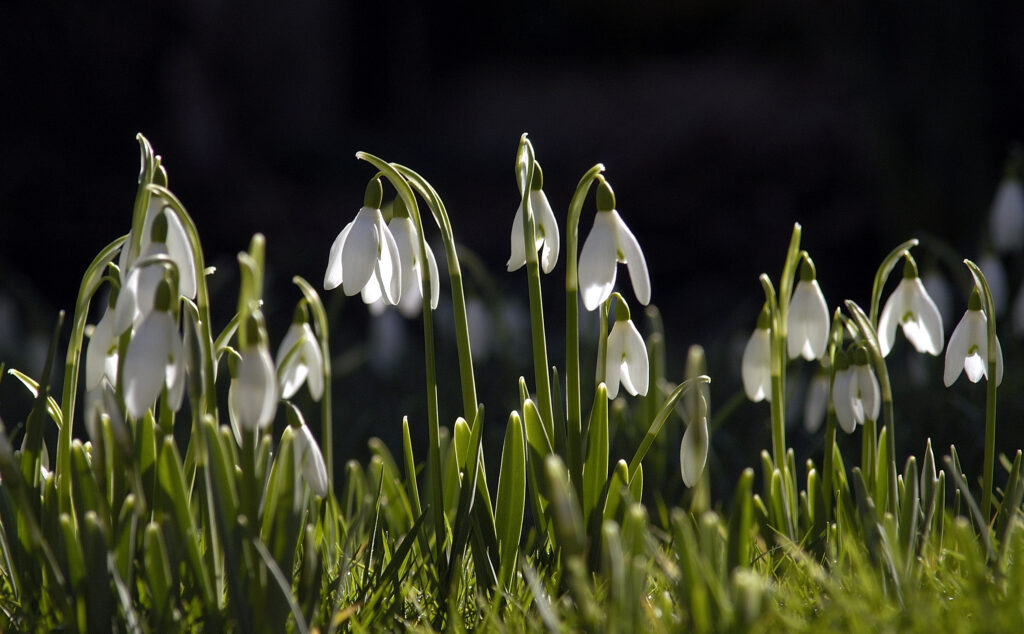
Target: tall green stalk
(990, 388)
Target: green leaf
(157, 570)
(740, 517)
(595, 467)
(511, 501)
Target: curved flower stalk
(968, 347)
(364, 257)
(155, 359)
(626, 360)
(1006, 216)
(756, 365)
(407, 238)
(807, 322)
(546, 230)
(252, 395)
(610, 242)
(309, 462)
(912, 308)
(299, 359)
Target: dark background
(720, 124)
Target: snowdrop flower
(305, 364)
(365, 253)
(546, 234)
(610, 241)
(816, 399)
(693, 450)
(995, 275)
(176, 243)
(308, 459)
(139, 283)
(626, 356)
(252, 395)
(756, 365)
(807, 323)
(1006, 216)
(864, 395)
(910, 306)
(841, 402)
(101, 355)
(968, 346)
(154, 359)
(407, 238)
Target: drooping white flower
(154, 360)
(807, 323)
(252, 395)
(968, 347)
(1006, 216)
(756, 365)
(865, 396)
(626, 356)
(841, 402)
(693, 451)
(309, 459)
(408, 241)
(816, 401)
(610, 242)
(135, 299)
(911, 307)
(304, 365)
(546, 234)
(101, 355)
(995, 275)
(366, 249)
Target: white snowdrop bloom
(756, 365)
(546, 234)
(910, 306)
(995, 275)
(309, 459)
(626, 356)
(610, 242)
(101, 354)
(404, 231)
(1006, 216)
(252, 395)
(179, 247)
(154, 360)
(968, 347)
(365, 250)
(816, 401)
(693, 451)
(841, 402)
(304, 365)
(807, 323)
(865, 396)
(135, 299)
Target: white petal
(388, 269)
(255, 389)
(956, 350)
(868, 391)
(333, 276)
(313, 360)
(626, 379)
(145, 363)
(807, 323)
(547, 228)
(637, 366)
(628, 251)
(613, 360)
(596, 271)
(929, 320)
(125, 308)
(359, 254)
(372, 296)
(314, 471)
(975, 367)
(97, 353)
(841, 400)
(815, 402)
(435, 279)
(174, 377)
(179, 247)
(693, 451)
(891, 313)
(1007, 216)
(755, 368)
(999, 362)
(293, 372)
(517, 257)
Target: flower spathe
(610, 242)
(546, 238)
(305, 365)
(310, 460)
(912, 308)
(363, 250)
(807, 323)
(968, 348)
(626, 360)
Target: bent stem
(990, 387)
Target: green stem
(326, 415)
(776, 361)
(990, 388)
(835, 341)
(882, 275)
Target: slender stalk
(326, 414)
(882, 276)
(776, 361)
(992, 382)
(835, 341)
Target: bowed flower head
(756, 365)
(807, 323)
(968, 346)
(252, 395)
(864, 396)
(610, 242)
(546, 233)
(841, 402)
(155, 359)
(626, 356)
(408, 240)
(366, 253)
(309, 461)
(911, 307)
(305, 363)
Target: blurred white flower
(252, 395)
(756, 365)
(995, 275)
(865, 396)
(408, 241)
(309, 459)
(1006, 216)
(304, 365)
(968, 347)
(154, 360)
(910, 306)
(610, 242)
(693, 451)
(841, 393)
(626, 358)
(816, 401)
(545, 236)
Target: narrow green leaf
(909, 510)
(595, 467)
(157, 570)
(740, 517)
(511, 500)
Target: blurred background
(720, 124)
